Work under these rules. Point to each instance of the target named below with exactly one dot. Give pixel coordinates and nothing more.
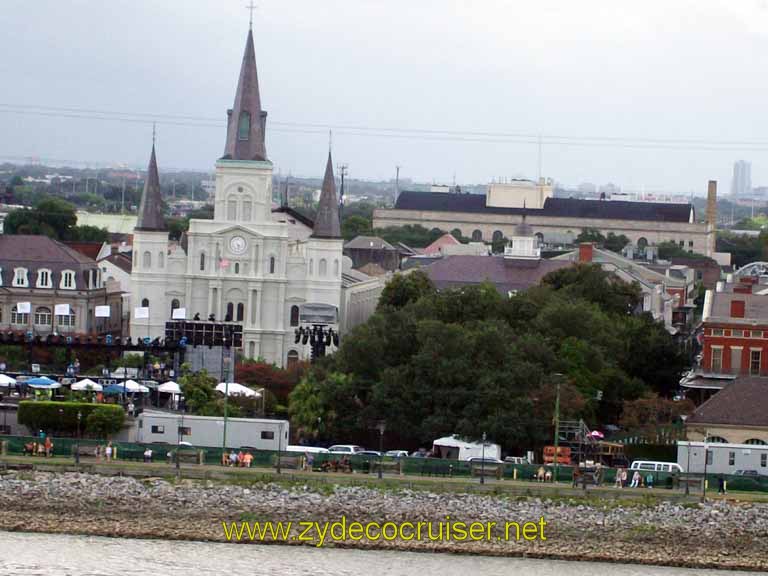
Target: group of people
(42, 448)
(343, 465)
(622, 475)
(543, 474)
(238, 459)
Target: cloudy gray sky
(663, 94)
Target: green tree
(590, 235)
(104, 421)
(87, 233)
(592, 283)
(354, 226)
(405, 288)
(52, 217)
(615, 243)
(199, 391)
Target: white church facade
(254, 263)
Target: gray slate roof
(36, 252)
(247, 99)
(744, 402)
(327, 219)
(506, 274)
(151, 207)
(755, 306)
(368, 243)
(555, 207)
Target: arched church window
(498, 236)
(244, 126)
(232, 209)
(293, 360)
(145, 303)
(271, 264)
(174, 305)
(477, 236)
(240, 312)
(247, 209)
(237, 267)
(323, 268)
(294, 315)
(336, 268)
(146, 260)
(160, 259)
(202, 261)
(230, 312)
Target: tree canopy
(52, 217)
(470, 361)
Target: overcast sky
(648, 74)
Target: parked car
(487, 460)
(516, 460)
(374, 453)
(348, 449)
(396, 453)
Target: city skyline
(578, 104)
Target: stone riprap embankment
(716, 534)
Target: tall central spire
(327, 220)
(151, 207)
(246, 121)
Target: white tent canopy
(453, 447)
(235, 389)
(87, 384)
(6, 380)
(169, 387)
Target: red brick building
(735, 330)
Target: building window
(293, 360)
(237, 267)
(737, 333)
(68, 280)
(184, 431)
(66, 321)
(19, 319)
(145, 303)
(477, 236)
(709, 457)
(174, 305)
(20, 277)
(202, 261)
(158, 429)
(230, 312)
(755, 442)
(240, 312)
(322, 269)
(682, 243)
(146, 261)
(247, 209)
(267, 435)
(254, 306)
(717, 331)
(244, 126)
(160, 259)
(336, 268)
(311, 266)
(271, 264)
(716, 440)
(763, 460)
(731, 458)
(44, 278)
(717, 360)
(294, 315)
(232, 210)
(43, 316)
(754, 361)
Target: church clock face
(238, 244)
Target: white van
(653, 466)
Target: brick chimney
(586, 250)
(737, 308)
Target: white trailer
(454, 448)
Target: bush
(105, 420)
(60, 418)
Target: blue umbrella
(113, 389)
(42, 382)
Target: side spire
(246, 121)
(151, 208)
(327, 220)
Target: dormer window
(67, 280)
(20, 277)
(44, 278)
(244, 126)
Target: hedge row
(60, 418)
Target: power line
(435, 135)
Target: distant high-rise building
(741, 184)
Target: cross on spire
(154, 126)
(251, 7)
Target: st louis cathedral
(254, 264)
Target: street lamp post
(77, 444)
(557, 426)
(482, 461)
(381, 427)
(178, 445)
(706, 461)
(688, 457)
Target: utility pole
(343, 171)
(122, 198)
(557, 425)
(397, 182)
